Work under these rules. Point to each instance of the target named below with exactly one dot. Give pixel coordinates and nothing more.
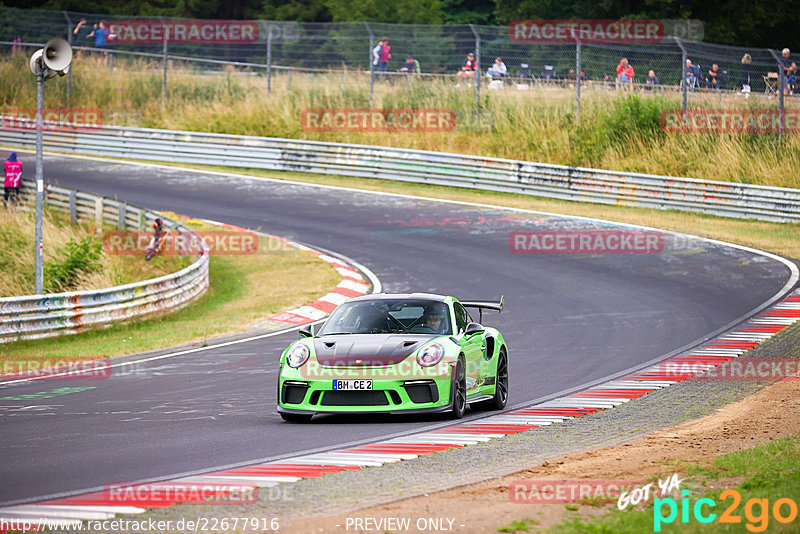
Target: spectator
(497, 70)
(411, 66)
(713, 79)
(100, 34)
(13, 170)
(792, 79)
(383, 58)
(744, 79)
(785, 67)
(625, 72)
(376, 54)
(467, 70)
(81, 33)
(652, 80)
(693, 74)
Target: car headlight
(430, 355)
(297, 355)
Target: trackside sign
(183, 31)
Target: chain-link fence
(278, 48)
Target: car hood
(367, 349)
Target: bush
(78, 258)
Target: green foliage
(78, 258)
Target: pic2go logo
(756, 511)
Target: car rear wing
(484, 305)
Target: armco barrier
(37, 316)
(475, 172)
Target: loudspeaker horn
(57, 55)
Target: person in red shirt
(468, 70)
(625, 72)
(13, 170)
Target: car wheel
(498, 402)
(459, 391)
(296, 417)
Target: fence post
(69, 72)
(269, 58)
(98, 215)
(142, 220)
(73, 207)
(477, 66)
(371, 66)
(782, 81)
(577, 77)
(289, 78)
(121, 217)
(683, 73)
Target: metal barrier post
(782, 84)
(142, 220)
(73, 205)
(164, 81)
(121, 217)
(39, 240)
(577, 77)
(98, 215)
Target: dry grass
(536, 125)
(17, 227)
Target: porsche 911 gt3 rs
(395, 353)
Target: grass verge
(243, 289)
(756, 479)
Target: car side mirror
(474, 328)
(307, 331)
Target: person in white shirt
(497, 70)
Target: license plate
(352, 385)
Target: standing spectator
(744, 79)
(81, 33)
(411, 66)
(376, 54)
(383, 58)
(713, 78)
(792, 79)
(100, 34)
(13, 170)
(625, 72)
(785, 67)
(467, 70)
(652, 80)
(497, 70)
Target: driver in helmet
(434, 319)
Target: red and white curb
(595, 399)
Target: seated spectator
(785, 67)
(693, 74)
(791, 80)
(744, 80)
(411, 66)
(625, 72)
(714, 77)
(497, 70)
(467, 70)
(652, 80)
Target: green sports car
(402, 353)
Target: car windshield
(385, 316)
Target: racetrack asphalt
(569, 319)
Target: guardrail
(420, 166)
(38, 316)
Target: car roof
(401, 296)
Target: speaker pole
(39, 243)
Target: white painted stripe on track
(61, 514)
(121, 509)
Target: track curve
(569, 320)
